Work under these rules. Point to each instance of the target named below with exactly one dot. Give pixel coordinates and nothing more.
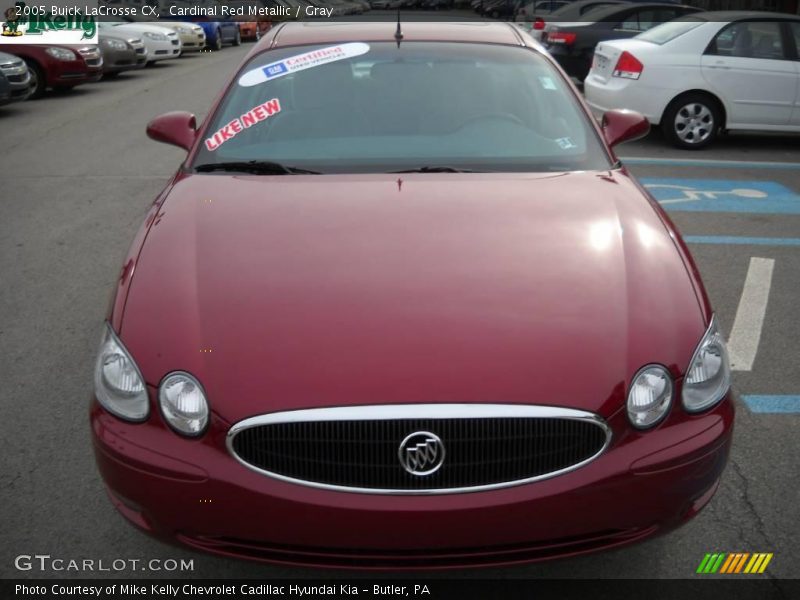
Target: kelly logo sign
(57, 23)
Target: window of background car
(469, 106)
(749, 39)
(666, 32)
(795, 28)
(640, 20)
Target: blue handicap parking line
(772, 404)
(722, 195)
(740, 241)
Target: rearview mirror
(178, 128)
(624, 126)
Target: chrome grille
(358, 448)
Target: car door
(794, 34)
(748, 66)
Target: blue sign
(275, 70)
(722, 195)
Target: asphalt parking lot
(80, 173)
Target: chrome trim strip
(418, 411)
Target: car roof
(298, 32)
(738, 15)
(600, 14)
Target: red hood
(305, 291)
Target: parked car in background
(122, 51)
(15, 79)
(161, 43)
(253, 30)
(58, 66)
(499, 9)
(573, 44)
(571, 12)
(219, 33)
(435, 4)
(191, 35)
(705, 74)
(540, 7)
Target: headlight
(708, 377)
(115, 44)
(118, 384)
(60, 53)
(158, 37)
(183, 403)
(650, 396)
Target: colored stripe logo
(735, 563)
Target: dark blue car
(219, 33)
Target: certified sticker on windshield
(300, 62)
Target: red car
(61, 66)
(253, 30)
(401, 306)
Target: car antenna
(398, 34)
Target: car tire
(692, 121)
(258, 33)
(237, 41)
(218, 42)
(38, 81)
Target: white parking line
(746, 331)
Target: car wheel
(692, 121)
(258, 33)
(237, 41)
(38, 82)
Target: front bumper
(192, 42)
(115, 61)
(158, 50)
(17, 87)
(195, 493)
(73, 72)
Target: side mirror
(623, 126)
(178, 128)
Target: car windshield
(367, 108)
(666, 32)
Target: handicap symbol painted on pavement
(721, 195)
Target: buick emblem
(421, 453)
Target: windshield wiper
(256, 167)
(430, 169)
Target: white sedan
(160, 42)
(704, 74)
